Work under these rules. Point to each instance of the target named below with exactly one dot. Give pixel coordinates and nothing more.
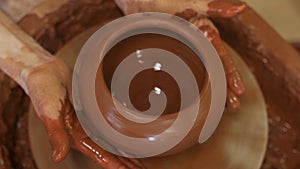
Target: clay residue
(284, 143)
(15, 149)
(297, 46)
(275, 64)
(145, 81)
(52, 31)
(225, 8)
(56, 28)
(256, 42)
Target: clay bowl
(239, 136)
(263, 45)
(157, 127)
(122, 125)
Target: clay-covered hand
(49, 86)
(235, 83)
(214, 8)
(47, 81)
(197, 11)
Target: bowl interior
(239, 142)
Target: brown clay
(122, 50)
(275, 64)
(236, 31)
(225, 8)
(236, 86)
(81, 142)
(56, 28)
(145, 81)
(297, 46)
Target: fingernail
(239, 86)
(232, 102)
(57, 156)
(59, 153)
(236, 83)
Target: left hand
(49, 87)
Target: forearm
(215, 8)
(166, 6)
(19, 53)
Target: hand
(49, 87)
(235, 83)
(196, 12)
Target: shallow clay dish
(238, 143)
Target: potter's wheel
(238, 143)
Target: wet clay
(236, 86)
(81, 142)
(55, 29)
(275, 64)
(144, 82)
(14, 143)
(51, 31)
(59, 26)
(297, 46)
(284, 139)
(225, 8)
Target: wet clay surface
(57, 28)
(275, 64)
(52, 32)
(297, 46)
(144, 82)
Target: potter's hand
(81, 142)
(235, 83)
(196, 11)
(48, 86)
(47, 81)
(213, 8)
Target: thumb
(54, 124)
(47, 99)
(58, 138)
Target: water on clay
(283, 147)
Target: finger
(100, 156)
(232, 102)
(58, 138)
(82, 143)
(225, 8)
(103, 158)
(47, 95)
(131, 163)
(50, 112)
(234, 79)
(235, 83)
